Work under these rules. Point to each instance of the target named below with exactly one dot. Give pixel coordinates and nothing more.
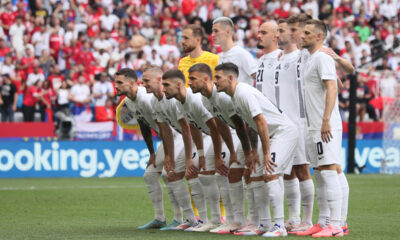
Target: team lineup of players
(244, 129)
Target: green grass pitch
(113, 208)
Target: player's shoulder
(207, 54)
(322, 58)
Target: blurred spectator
(56, 77)
(102, 90)
(384, 65)
(107, 113)
(108, 19)
(80, 97)
(46, 61)
(63, 96)
(8, 99)
(40, 39)
(16, 34)
(7, 16)
(36, 75)
(4, 50)
(47, 103)
(31, 97)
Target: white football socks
(210, 188)
(324, 212)
(334, 195)
(237, 198)
(252, 213)
(345, 197)
(276, 195)
(182, 195)
(155, 194)
(261, 197)
(223, 184)
(292, 192)
(307, 199)
(198, 198)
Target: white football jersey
(194, 111)
(319, 67)
(243, 60)
(249, 102)
(220, 106)
(265, 74)
(289, 93)
(141, 108)
(166, 111)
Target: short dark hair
(127, 73)
(203, 68)
(282, 20)
(299, 18)
(319, 26)
(228, 68)
(196, 30)
(174, 74)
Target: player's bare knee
(302, 172)
(291, 176)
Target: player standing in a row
(324, 136)
(289, 94)
(278, 137)
(296, 25)
(222, 33)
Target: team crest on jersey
(286, 66)
(261, 66)
(215, 109)
(271, 64)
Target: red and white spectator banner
(94, 130)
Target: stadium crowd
(61, 55)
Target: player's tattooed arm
(217, 143)
(342, 62)
(225, 132)
(253, 137)
(241, 131)
(262, 128)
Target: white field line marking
(70, 187)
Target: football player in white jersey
(278, 137)
(266, 64)
(221, 107)
(290, 99)
(167, 114)
(217, 155)
(222, 33)
(324, 135)
(137, 103)
(296, 24)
